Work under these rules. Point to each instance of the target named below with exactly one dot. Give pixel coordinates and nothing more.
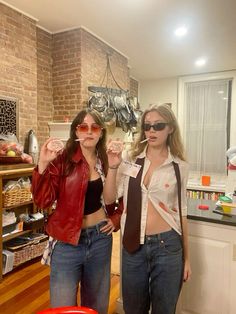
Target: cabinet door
(208, 290)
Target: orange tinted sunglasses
(84, 128)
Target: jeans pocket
(104, 235)
(173, 245)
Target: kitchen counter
(195, 213)
(14, 168)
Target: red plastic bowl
(69, 310)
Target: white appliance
(230, 181)
(7, 261)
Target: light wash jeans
(152, 276)
(87, 263)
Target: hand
(114, 152)
(187, 271)
(46, 155)
(109, 227)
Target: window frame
(229, 75)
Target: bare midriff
(155, 223)
(94, 218)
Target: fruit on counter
(11, 153)
(10, 149)
(27, 158)
(2, 152)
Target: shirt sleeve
(184, 180)
(121, 177)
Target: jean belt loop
(97, 228)
(99, 225)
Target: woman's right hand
(46, 155)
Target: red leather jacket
(65, 222)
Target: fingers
(187, 275)
(115, 147)
(108, 228)
(49, 140)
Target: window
(204, 112)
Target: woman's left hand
(187, 271)
(109, 227)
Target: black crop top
(93, 196)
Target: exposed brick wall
(94, 63)
(18, 66)
(44, 83)
(80, 60)
(66, 74)
(133, 87)
(49, 74)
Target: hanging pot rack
(113, 104)
(105, 89)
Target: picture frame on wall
(9, 115)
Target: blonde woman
(155, 256)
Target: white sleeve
(184, 171)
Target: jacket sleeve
(45, 186)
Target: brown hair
(72, 145)
(174, 140)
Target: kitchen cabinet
(14, 172)
(212, 287)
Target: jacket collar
(78, 155)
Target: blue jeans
(152, 276)
(87, 263)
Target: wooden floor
(26, 290)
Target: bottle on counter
(33, 147)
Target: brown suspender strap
(131, 237)
(178, 178)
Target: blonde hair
(174, 140)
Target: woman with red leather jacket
(80, 228)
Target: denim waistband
(160, 236)
(96, 227)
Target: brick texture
(94, 64)
(66, 74)
(44, 84)
(133, 89)
(49, 74)
(18, 66)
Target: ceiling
(143, 30)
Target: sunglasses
(84, 128)
(159, 126)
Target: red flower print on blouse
(163, 206)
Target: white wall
(158, 92)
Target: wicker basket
(16, 197)
(29, 252)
